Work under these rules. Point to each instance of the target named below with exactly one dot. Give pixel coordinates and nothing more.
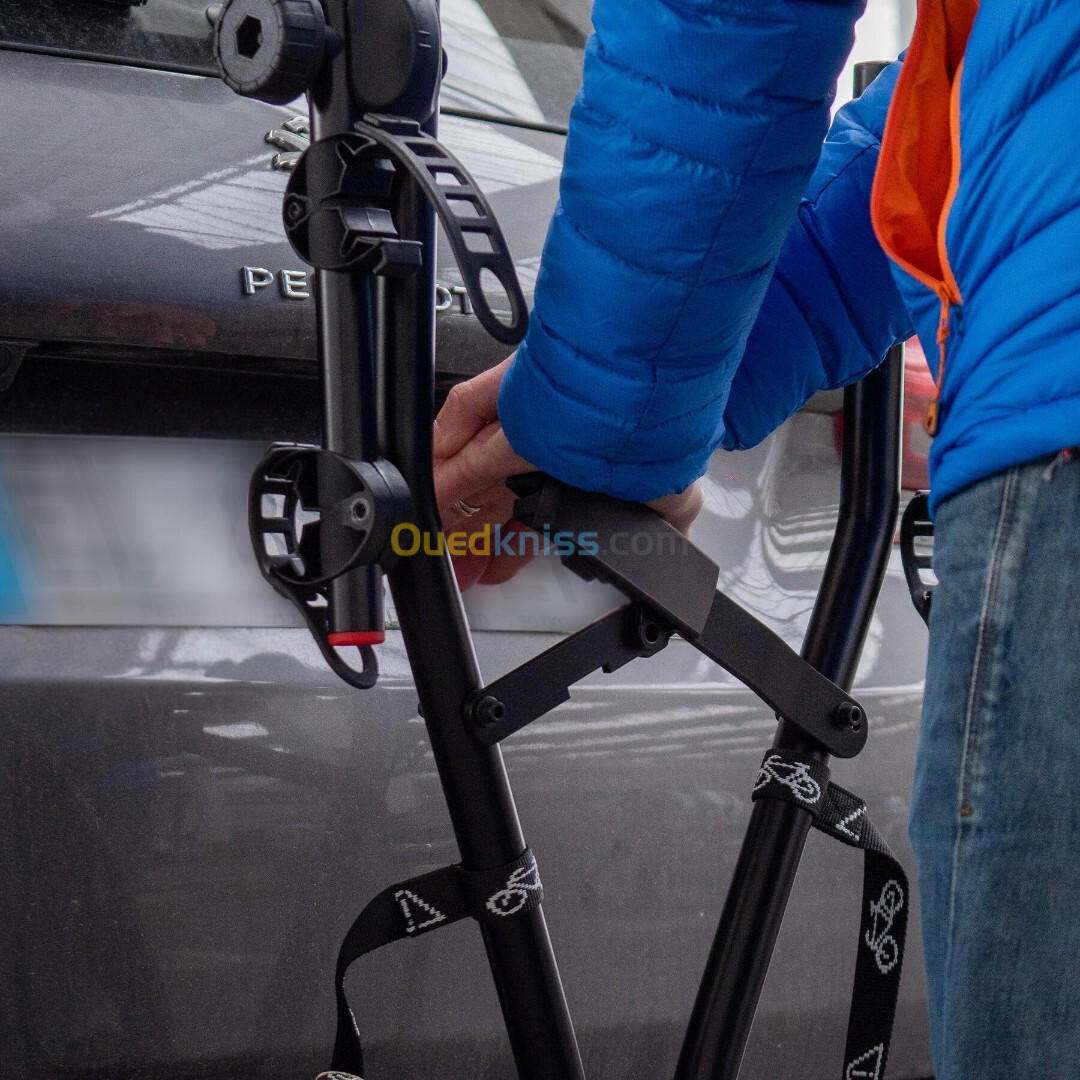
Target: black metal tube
(772, 848)
(350, 427)
(346, 317)
(742, 949)
(377, 344)
(437, 639)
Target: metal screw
(488, 711)
(848, 716)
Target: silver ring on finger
(466, 509)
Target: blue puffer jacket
(1012, 385)
(695, 133)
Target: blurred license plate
(108, 531)
(102, 531)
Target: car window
(515, 59)
(162, 33)
(519, 59)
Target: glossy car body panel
(193, 808)
(136, 198)
(208, 808)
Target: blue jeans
(996, 809)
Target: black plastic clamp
(340, 212)
(303, 542)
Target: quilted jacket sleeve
(697, 128)
(832, 308)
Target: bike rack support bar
(742, 949)
(772, 848)
(543, 683)
(676, 582)
(436, 637)
(389, 386)
(445, 670)
(346, 360)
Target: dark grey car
(194, 808)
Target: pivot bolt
(848, 716)
(650, 633)
(489, 711)
(358, 510)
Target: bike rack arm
(543, 683)
(776, 835)
(772, 848)
(655, 565)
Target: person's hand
(472, 461)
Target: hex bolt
(359, 510)
(848, 716)
(488, 711)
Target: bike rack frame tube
(345, 303)
(379, 395)
(436, 636)
(738, 962)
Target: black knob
(270, 49)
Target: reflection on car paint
(225, 208)
(482, 75)
(239, 206)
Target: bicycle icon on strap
(878, 938)
(794, 775)
(515, 895)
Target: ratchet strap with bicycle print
(885, 902)
(417, 906)
(441, 897)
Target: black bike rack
(360, 207)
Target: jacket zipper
(933, 410)
(948, 291)
(943, 284)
